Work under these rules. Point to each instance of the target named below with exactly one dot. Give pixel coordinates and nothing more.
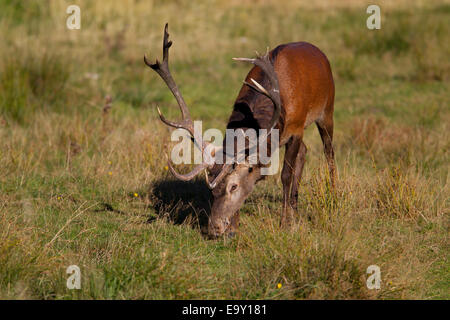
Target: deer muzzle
(218, 226)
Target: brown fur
(307, 95)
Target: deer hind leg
(326, 133)
(287, 179)
(299, 164)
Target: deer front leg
(287, 179)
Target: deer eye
(250, 170)
(233, 187)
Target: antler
(188, 176)
(274, 93)
(186, 123)
(163, 70)
(223, 172)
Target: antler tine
(188, 176)
(183, 124)
(274, 93)
(225, 169)
(166, 44)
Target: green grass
(70, 172)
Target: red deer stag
(288, 89)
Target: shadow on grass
(181, 201)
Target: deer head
(231, 183)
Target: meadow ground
(84, 184)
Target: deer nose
(218, 227)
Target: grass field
(84, 184)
